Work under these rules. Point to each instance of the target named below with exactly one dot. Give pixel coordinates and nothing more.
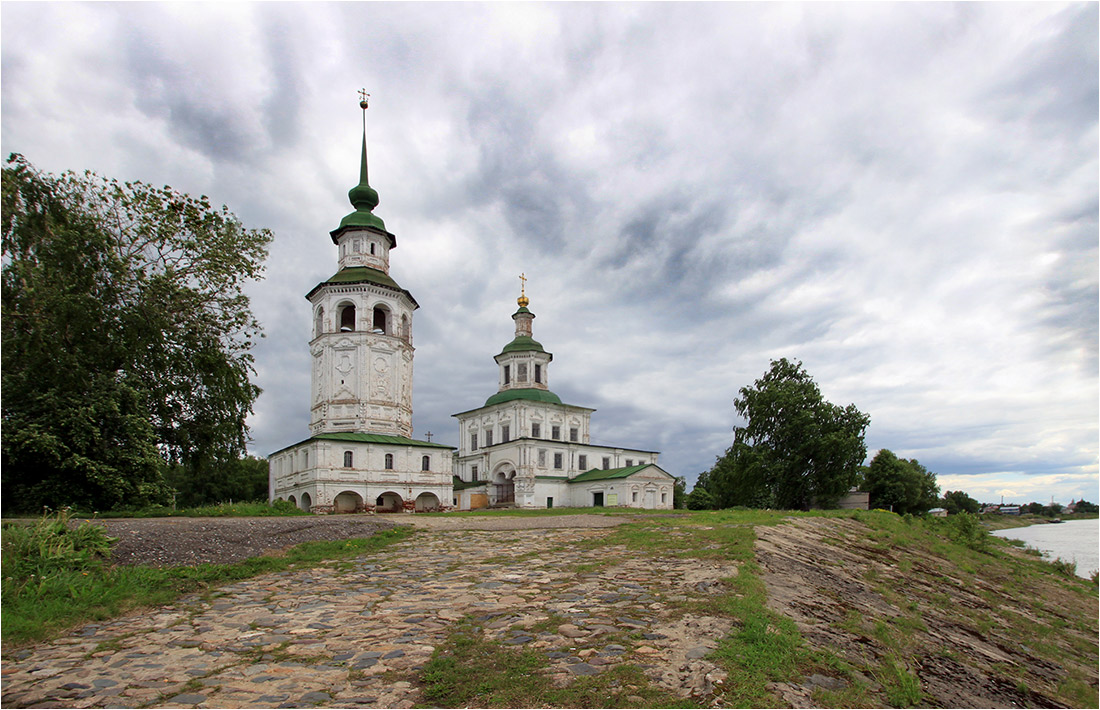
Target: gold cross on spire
(523, 300)
(363, 96)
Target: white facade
(360, 456)
(525, 447)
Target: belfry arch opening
(380, 321)
(347, 318)
(319, 322)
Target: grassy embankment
(57, 575)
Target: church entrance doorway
(346, 502)
(650, 498)
(389, 502)
(504, 487)
(597, 499)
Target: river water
(1074, 541)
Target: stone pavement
(356, 635)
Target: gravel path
(191, 541)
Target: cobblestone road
(339, 637)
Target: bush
(966, 529)
(51, 546)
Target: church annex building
(523, 448)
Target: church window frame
(555, 432)
(582, 462)
(488, 437)
(538, 373)
(473, 441)
(542, 458)
(606, 463)
(319, 322)
(505, 433)
(388, 462)
(349, 459)
(559, 460)
(473, 473)
(425, 463)
(536, 430)
(507, 374)
(574, 433)
(629, 463)
(372, 248)
(521, 372)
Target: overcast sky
(902, 196)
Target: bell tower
(362, 352)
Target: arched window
(319, 322)
(379, 320)
(347, 319)
(426, 463)
(389, 462)
(347, 459)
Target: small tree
(700, 499)
(901, 485)
(955, 502)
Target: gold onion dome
(523, 301)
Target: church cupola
(524, 364)
(362, 235)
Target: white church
(523, 448)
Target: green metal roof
(364, 198)
(460, 485)
(529, 394)
(365, 438)
(361, 275)
(523, 343)
(597, 474)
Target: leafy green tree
(126, 337)
(901, 485)
(237, 480)
(955, 502)
(1083, 506)
(1032, 507)
(700, 499)
(795, 449)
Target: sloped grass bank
(57, 575)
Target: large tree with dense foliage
(900, 485)
(795, 449)
(126, 337)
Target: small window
(606, 463)
(305, 459)
(505, 433)
(521, 372)
(538, 373)
(555, 432)
(557, 461)
(347, 459)
(507, 374)
(426, 463)
(664, 497)
(473, 473)
(489, 437)
(357, 245)
(372, 248)
(542, 458)
(573, 433)
(582, 462)
(630, 462)
(634, 496)
(536, 430)
(473, 442)
(389, 462)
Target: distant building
(1009, 510)
(938, 512)
(855, 500)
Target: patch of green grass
(467, 670)
(901, 686)
(37, 607)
